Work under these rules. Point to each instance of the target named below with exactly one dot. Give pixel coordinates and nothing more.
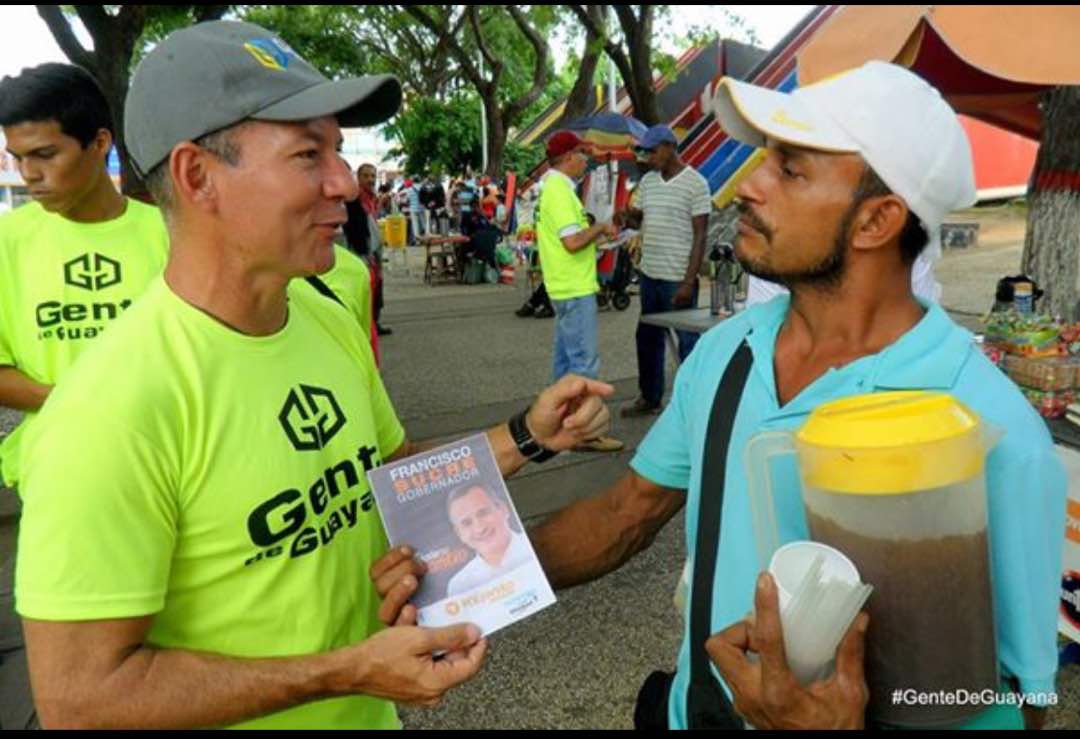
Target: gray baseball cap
(212, 75)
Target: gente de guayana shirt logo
(79, 316)
(311, 417)
(306, 516)
(92, 272)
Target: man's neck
(863, 327)
(213, 280)
(563, 172)
(673, 168)
(102, 203)
(827, 329)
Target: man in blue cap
(674, 217)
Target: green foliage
(438, 136)
(325, 35)
(731, 25)
(522, 159)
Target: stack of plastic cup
(820, 596)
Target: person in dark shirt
(362, 235)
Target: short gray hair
(158, 181)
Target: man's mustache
(753, 219)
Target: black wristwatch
(529, 447)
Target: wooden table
(440, 258)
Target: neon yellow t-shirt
(61, 284)
(215, 481)
(566, 275)
(351, 282)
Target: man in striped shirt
(674, 214)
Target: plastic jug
(896, 482)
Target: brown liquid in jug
(931, 620)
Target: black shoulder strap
(323, 288)
(707, 706)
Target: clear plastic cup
(820, 595)
(792, 562)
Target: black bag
(651, 709)
(707, 705)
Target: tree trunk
(496, 137)
(113, 78)
(1052, 244)
(636, 70)
(646, 104)
(580, 101)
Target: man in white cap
(858, 171)
(198, 527)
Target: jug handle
(759, 452)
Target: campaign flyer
(452, 507)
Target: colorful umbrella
(609, 132)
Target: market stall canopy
(990, 61)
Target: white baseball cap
(897, 122)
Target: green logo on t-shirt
(92, 272)
(311, 418)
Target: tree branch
(65, 37)
(540, 69)
(474, 23)
(130, 22)
(467, 66)
(612, 49)
(96, 21)
(580, 100)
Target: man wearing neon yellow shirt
(71, 262)
(567, 245)
(211, 530)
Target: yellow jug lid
(891, 443)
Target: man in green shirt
(567, 245)
(71, 262)
(202, 556)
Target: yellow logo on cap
(269, 54)
(784, 119)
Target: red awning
(990, 61)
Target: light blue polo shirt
(1026, 482)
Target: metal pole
(613, 166)
(483, 121)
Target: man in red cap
(568, 260)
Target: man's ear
(879, 222)
(192, 176)
(102, 142)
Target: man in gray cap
(201, 557)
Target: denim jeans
(576, 348)
(657, 297)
